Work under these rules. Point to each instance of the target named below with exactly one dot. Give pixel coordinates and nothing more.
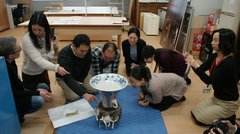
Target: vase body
(109, 117)
(108, 111)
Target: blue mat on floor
(135, 119)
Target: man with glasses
(105, 59)
(26, 101)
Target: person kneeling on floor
(158, 90)
(26, 101)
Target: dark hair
(40, 19)
(7, 45)
(109, 44)
(226, 40)
(141, 72)
(148, 51)
(134, 30)
(81, 39)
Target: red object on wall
(197, 42)
(198, 37)
(211, 19)
(196, 46)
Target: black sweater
(127, 56)
(223, 77)
(77, 67)
(21, 96)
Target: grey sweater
(165, 84)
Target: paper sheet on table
(117, 21)
(73, 22)
(60, 21)
(69, 113)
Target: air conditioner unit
(151, 24)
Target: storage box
(142, 18)
(151, 24)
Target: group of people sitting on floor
(77, 63)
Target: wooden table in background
(82, 11)
(95, 27)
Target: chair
(18, 14)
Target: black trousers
(166, 103)
(30, 82)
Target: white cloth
(71, 112)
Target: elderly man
(105, 59)
(26, 101)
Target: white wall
(38, 5)
(228, 21)
(204, 7)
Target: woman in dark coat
(132, 50)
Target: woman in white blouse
(38, 50)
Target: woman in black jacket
(132, 49)
(222, 76)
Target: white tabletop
(84, 21)
(83, 10)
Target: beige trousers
(69, 94)
(209, 110)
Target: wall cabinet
(146, 7)
(4, 24)
(27, 8)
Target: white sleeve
(34, 54)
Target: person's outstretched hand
(62, 71)
(89, 97)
